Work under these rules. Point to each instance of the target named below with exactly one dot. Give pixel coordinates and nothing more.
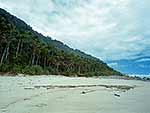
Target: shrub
(17, 69)
(5, 68)
(33, 70)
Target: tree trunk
(44, 61)
(18, 47)
(7, 53)
(79, 69)
(37, 60)
(33, 58)
(3, 55)
(57, 67)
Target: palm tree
(7, 38)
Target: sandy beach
(59, 94)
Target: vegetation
(23, 50)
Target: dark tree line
(21, 51)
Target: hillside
(23, 50)
(47, 40)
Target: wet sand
(58, 94)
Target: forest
(23, 50)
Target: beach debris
(117, 87)
(83, 92)
(89, 91)
(40, 105)
(29, 88)
(26, 99)
(117, 95)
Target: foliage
(33, 70)
(23, 51)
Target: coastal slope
(23, 50)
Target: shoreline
(125, 77)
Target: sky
(107, 29)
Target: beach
(60, 94)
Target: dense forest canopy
(23, 50)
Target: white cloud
(143, 60)
(108, 29)
(113, 64)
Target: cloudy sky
(107, 29)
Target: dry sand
(57, 94)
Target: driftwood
(117, 95)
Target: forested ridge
(23, 50)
